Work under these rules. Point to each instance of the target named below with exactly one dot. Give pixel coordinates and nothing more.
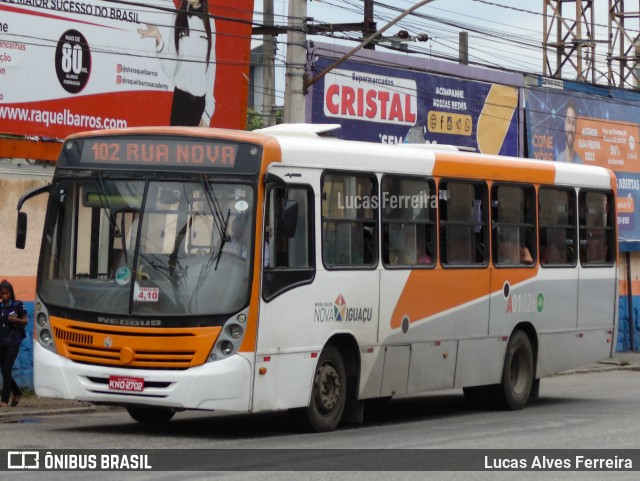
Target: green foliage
(254, 120)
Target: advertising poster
(375, 103)
(74, 65)
(565, 126)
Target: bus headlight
(226, 347)
(45, 336)
(230, 337)
(42, 327)
(236, 331)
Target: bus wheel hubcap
(329, 384)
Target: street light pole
(296, 63)
(268, 54)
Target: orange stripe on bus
(454, 164)
(431, 292)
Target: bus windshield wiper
(219, 220)
(223, 239)
(104, 201)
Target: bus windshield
(148, 248)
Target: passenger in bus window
(191, 37)
(525, 255)
(423, 248)
(406, 251)
(238, 243)
(596, 251)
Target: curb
(7, 416)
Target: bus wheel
(517, 373)
(329, 391)
(148, 415)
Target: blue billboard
(568, 126)
(377, 103)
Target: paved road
(591, 410)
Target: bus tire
(150, 415)
(517, 373)
(329, 391)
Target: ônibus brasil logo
(338, 311)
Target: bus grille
(135, 348)
(74, 337)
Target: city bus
(287, 269)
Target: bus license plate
(123, 383)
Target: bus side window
(408, 221)
(349, 220)
(287, 257)
(513, 220)
(463, 223)
(557, 226)
(596, 228)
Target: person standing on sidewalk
(13, 320)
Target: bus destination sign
(164, 153)
(153, 152)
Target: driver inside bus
(238, 243)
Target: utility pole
(296, 81)
(463, 48)
(366, 41)
(268, 67)
(369, 24)
(296, 62)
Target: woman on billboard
(188, 53)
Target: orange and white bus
(187, 268)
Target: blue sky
(504, 33)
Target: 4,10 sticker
(147, 294)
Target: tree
(254, 120)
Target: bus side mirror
(289, 219)
(21, 230)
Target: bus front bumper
(220, 385)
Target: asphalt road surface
(596, 410)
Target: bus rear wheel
(517, 373)
(149, 415)
(329, 391)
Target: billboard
(569, 126)
(73, 65)
(377, 103)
